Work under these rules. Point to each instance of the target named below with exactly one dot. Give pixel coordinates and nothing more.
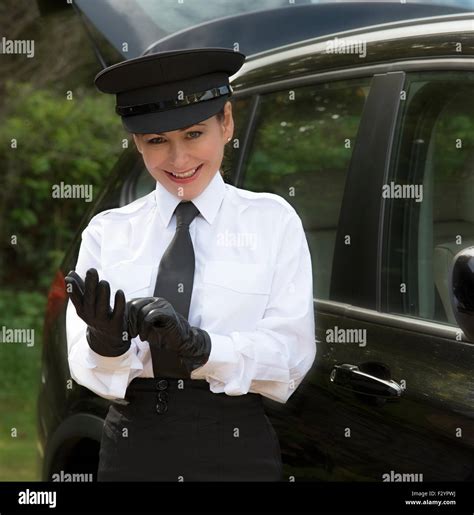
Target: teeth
(185, 175)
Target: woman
(213, 304)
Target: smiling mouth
(185, 175)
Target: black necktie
(175, 283)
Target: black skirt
(178, 430)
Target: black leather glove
(106, 329)
(154, 319)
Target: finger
(73, 276)
(119, 315)
(144, 331)
(164, 304)
(102, 301)
(166, 307)
(148, 324)
(134, 307)
(75, 294)
(118, 312)
(91, 282)
(159, 319)
(143, 312)
(160, 304)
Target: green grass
(18, 456)
(19, 381)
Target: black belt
(156, 384)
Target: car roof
(135, 27)
(259, 31)
(426, 38)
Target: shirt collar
(208, 201)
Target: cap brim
(173, 119)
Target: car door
(301, 141)
(403, 399)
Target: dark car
(369, 134)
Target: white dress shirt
(252, 291)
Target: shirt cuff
(128, 359)
(108, 377)
(222, 359)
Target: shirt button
(163, 396)
(161, 407)
(162, 384)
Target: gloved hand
(106, 329)
(154, 319)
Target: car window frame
(339, 307)
(403, 321)
(314, 79)
(436, 327)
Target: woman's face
(199, 147)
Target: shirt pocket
(235, 295)
(133, 279)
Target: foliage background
(75, 141)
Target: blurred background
(56, 127)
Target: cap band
(164, 105)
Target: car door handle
(351, 378)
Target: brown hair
(220, 117)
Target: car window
(429, 194)
(240, 112)
(301, 151)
